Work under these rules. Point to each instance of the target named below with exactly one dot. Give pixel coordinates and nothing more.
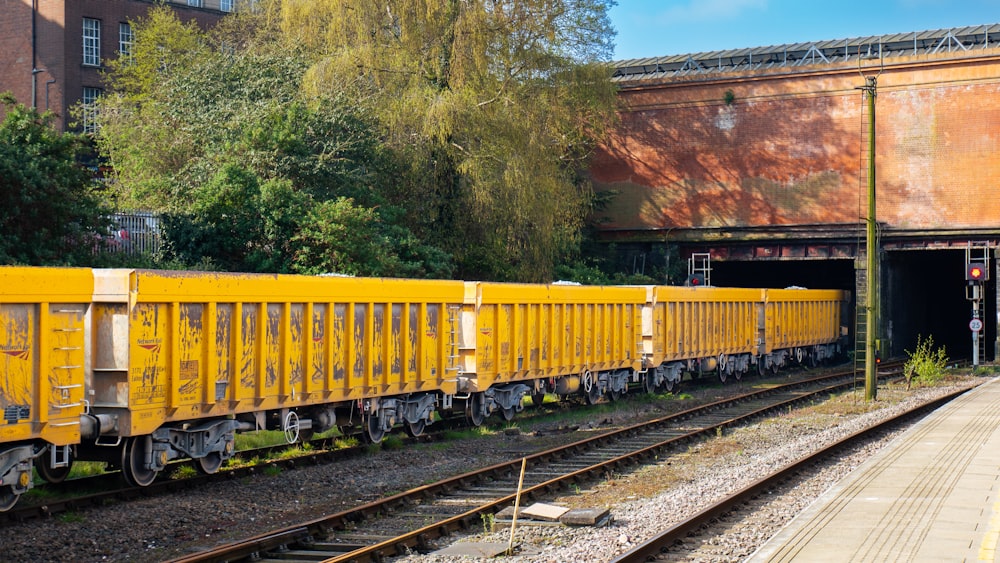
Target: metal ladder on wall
(862, 309)
(861, 314)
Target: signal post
(977, 272)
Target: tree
(230, 147)
(493, 107)
(50, 213)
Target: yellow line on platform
(988, 548)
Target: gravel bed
(165, 527)
(703, 476)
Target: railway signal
(696, 280)
(975, 272)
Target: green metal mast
(871, 321)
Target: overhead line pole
(871, 320)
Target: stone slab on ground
(586, 517)
(474, 549)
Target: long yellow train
(136, 368)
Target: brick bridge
(760, 155)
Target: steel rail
(306, 534)
(652, 548)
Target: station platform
(932, 495)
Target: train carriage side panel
(703, 322)
(535, 331)
(212, 344)
(802, 317)
(43, 352)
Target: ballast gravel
(170, 526)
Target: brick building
(52, 52)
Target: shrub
(926, 365)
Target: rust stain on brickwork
(788, 151)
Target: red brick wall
(15, 39)
(787, 150)
(59, 43)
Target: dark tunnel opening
(923, 295)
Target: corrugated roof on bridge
(954, 40)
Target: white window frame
(196, 3)
(91, 42)
(226, 5)
(126, 38)
(88, 103)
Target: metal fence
(135, 233)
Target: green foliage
(982, 370)
(492, 112)
(252, 174)
(339, 237)
(50, 211)
(925, 365)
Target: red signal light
(975, 271)
(695, 280)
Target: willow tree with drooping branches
(492, 108)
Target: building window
(226, 5)
(91, 42)
(125, 40)
(195, 3)
(89, 103)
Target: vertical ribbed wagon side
(43, 315)
(700, 329)
(533, 339)
(278, 351)
(804, 323)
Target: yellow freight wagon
(700, 329)
(802, 324)
(43, 312)
(522, 339)
(277, 351)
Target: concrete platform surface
(933, 495)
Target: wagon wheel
(538, 398)
(649, 382)
(773, 367)
(414, 429)
(291, 427)
(591, 389)
(738, 373)
(52, 474)
(811, 358)
(720, 367)
(507, 413)
(614, 396)
(134, 461)
(761, 366)
(669, 384)
(210, 464)
(474, 410)
(373, 432)
(8, 498)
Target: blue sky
(652, 28)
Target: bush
(926, 365)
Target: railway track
(655, 547)
(97, 490)
(409, 521)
